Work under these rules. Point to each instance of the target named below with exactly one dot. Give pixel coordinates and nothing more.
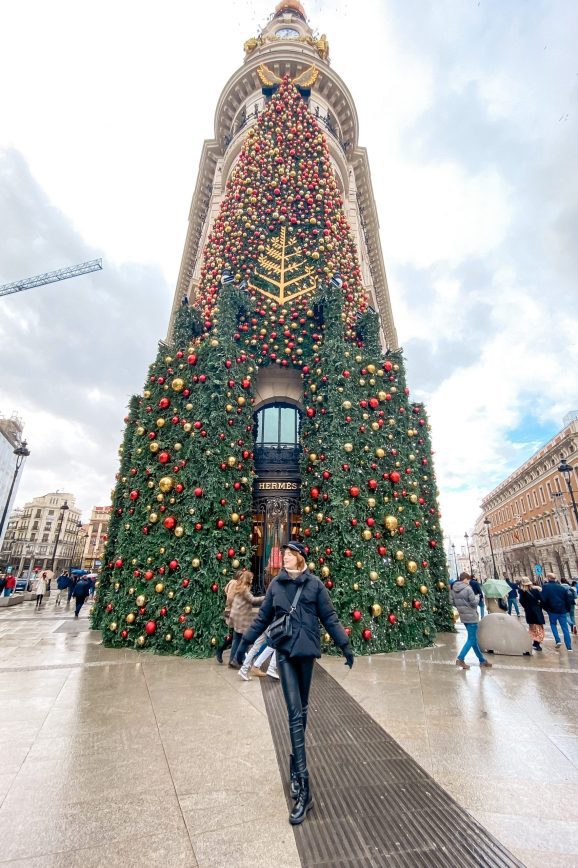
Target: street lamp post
(487, 522)
(21, 452)
(565, 469)
(63, 509)
(466, 537)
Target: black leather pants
(295, 674)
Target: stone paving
(124, 758)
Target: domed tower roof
(290, 6)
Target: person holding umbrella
(466, 602)
(81, 592)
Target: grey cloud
(63, 342)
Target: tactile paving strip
(373, 804)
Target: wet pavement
(123, 758)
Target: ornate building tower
(287, 46)
(277, 408)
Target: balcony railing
(277, 457)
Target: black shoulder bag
(281, 628)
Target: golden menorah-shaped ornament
(283, 271)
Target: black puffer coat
(314, 605)
(531, 601)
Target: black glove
(348, 654)
(242, 649)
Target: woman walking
(466, 602)
(40, 589)
(242, 612)
(304, 598)
(531, 602)
(229, 591)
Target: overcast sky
(468, 109)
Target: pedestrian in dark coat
(556, 601)
(531, 602)
(81, 592)
(297, 654)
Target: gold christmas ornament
(171, 595)
(411, 567)
(355, 586)
(455, 615)
(179, 530)
(326, 638)
(379, 452)
(131, 591)
(423, 589)
(140, 600)
(366, 534)
(214, 641)
(130, 618)
(141, 640)
(146, 393)
(187, 610)
(159, 587)
(373, 576)
(168, 637)
(391, 523)
(196, 563)
(348, 447)
(400, 581)
(178, 384)
(399, 555)
(359, 564)
(140, 430)
(165, 483)
(231, 461)
(154, 447)
(325, 572)
(160, 423)
(376, 610)
(413, 498)
(236, 564)
(117, 586)
(312, 457)
(346, 405)
(441, 586)
(241, 401)
(235, 517)
(112, 626)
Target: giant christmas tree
(280, 285)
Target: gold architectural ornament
(283, 268)
(305, 79)
(267, 77)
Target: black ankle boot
(294, 780)
(219, 655)
(304, 802)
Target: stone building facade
(44, 534)
(532, 521)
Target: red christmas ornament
(372, 484)
(366, 634)
(118, 563)
(124, 633)
(149, 575)
(416, 604)
(109, 607)
(170, 522)
(394, 476)
(354, 491)
(174, 564)
(185, 583)
(164, 403)
(329, 584)
(150, 627)
(214, 587)
(356, 615)
(134, 495)
(392, 619)
(164, 457)
(188, 633)
(198, 492)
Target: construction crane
(51, 277)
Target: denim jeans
(236, 642)
(513, 602)
(482, 609)
(563, 621)
(472, 643)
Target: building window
(38, 513)
(542, 498)
(277, 426)
(529, 503)
(535, 496)
(557, 478)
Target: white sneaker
(244, 675)
(273, 674)
(558, 645)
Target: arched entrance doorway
(276, 492)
